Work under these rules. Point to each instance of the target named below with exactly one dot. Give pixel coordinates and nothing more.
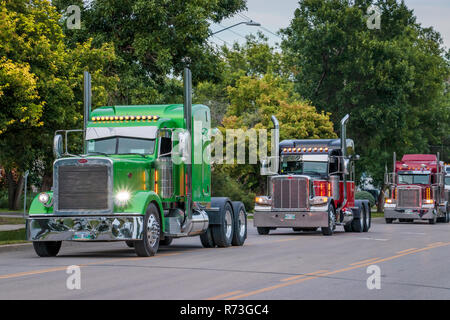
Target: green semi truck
(144, 178)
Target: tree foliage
(41, 84)
(154, 41)
(390, 80)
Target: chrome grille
(409, 198)
(83, 187)
(289, 192)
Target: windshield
(304, 167)
(447, 181)
(413, 179)
(119, 145)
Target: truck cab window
(166, 146)
(413, 179)
(121, 145)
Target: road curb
(15, 247)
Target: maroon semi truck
(417, 190)
(310, 186)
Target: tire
(432, 221)
(166, 242)
(207, 239)
(240, 224)
(358, 224)
(328, 231)
(130, 243)
(348, 227)
(47, 248)
(223, 233)
(263, 230)
(148, 246)
(389, 220)
(367, 218)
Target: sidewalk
(11, 227)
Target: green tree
(154, 41)
(32, 39)
(390, 80)
(252, 103)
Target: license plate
(289, 216)
(82, 236)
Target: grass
(377, 215)
(10, 237)
(9, 211)
(4, 220)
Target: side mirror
(181, 150)
(345, 166)
(58, 146)
(268, 166)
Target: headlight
(388, 201)
(122, 198)
(43, 198)
(263, 200)
(428, 201)
(317, 201)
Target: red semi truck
(417, 190)
(310, 186)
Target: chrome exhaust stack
(344, 155)
(87, 101)
(195, 220)
(275, 145)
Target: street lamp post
(248, 23)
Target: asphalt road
(413, 259)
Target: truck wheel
(47, 248)
(223, 233)
(367, 218)
(130, 243)
(328, 231)
(432, 221)
(348, 227)
(166, 242)
(207, 239)
(240, 224)
(389, 220)
(263, 230)
(358, 224)
(148, 246)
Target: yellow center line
(224, 295)
(29, 273)
(360, 262)
(303, 279)
(303, 275)
(403, 251)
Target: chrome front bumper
(416, 214)
(290, 219)
(85, 228)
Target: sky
(274, 15)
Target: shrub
(224, 186)
(364, 195)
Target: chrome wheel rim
(367, 219)
(228, 224)
(332, 219)
(152, 230)
(241, 223)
